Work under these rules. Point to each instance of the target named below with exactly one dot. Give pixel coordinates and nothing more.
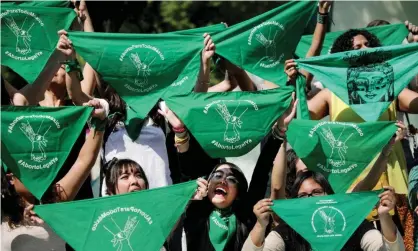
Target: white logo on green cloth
(120, 237)
(328, 221)
(267, 34)
(338, 143)
(338, 146)
(22, 33)
(37, 137)
(112, 220)
(233, 121)
(140, 58)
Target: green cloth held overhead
(302, 111)
(230, 124)
(36, 141)
(29, 37)
(261, 44)
(326, 222)
(340, 151)
(132, 221)
(391, 34)
(142, 68)
(367, 80)
(38, 3)
(211, 29)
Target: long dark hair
(114, 168)
(291, 159)
(345, 41)
(316, 176)
(237, 206)
(12, 205)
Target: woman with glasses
(219, 221)
(308, 184)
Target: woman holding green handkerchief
(219, 221)
(367, 84)
(337, 226)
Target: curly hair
(12, 205)
(345, 41)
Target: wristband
(97, 124)
(322, 18)
(278, 134)
(74, 66)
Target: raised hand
(64, 44)
(324, 6)
(262, 211)
(172, 118)
(80, 8)
(290, 69)
(208, 48)
(202, 189)
(413, 32)
(399, 135)
(287, 117)
(387, 201)
(31, 216)
(101, 108)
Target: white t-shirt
(148, 150)
(31, 238)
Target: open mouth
(221, 191)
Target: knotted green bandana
(366, 80)
(391, 34)
(29, 37)
(132, 221)
(326, 222)
(230, 124)
(141, 67)
(340, 151)
(37, 3)
(261, 44)
(36, 141)
(221, 229)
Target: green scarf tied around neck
(222, 227)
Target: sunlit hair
(345, 41)
(116, 167)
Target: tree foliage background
(157, 17)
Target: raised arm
(278, 174)
(243, 80)
(89, 81)
(386, 204)
(31, 94)
(68, 187)
(182, 136)
(318, 36)
(228, 84)
(72, 80)
(208, 51)
(381, 163)
(262, 211)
